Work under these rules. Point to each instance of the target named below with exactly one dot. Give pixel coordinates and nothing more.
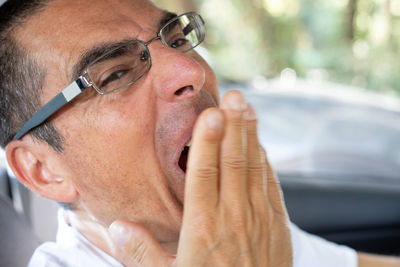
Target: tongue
(183, 159)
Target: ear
(40, 168)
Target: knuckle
(203, 222)
(205, 172)
(262, 152)
(239, 225)
(236, 122)
(256, 167)
(252, 129)
(234, 162)
(237, 218)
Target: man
(119, 93)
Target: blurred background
(352, 42)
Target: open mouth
(184, 157)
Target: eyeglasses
(123, 65)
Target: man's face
(122, 150)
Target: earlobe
(36, 166)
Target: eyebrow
(165, 18)
(101, 49)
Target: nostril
(184, 90)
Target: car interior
(17, 238)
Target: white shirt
(72, 249)
(313, 251)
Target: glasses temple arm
(57, 102)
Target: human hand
(234, 213)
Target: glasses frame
(98, 90)
(84, 81)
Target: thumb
(137, 247)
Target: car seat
(17, 241)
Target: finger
(274, 190)
(233, 165)
(201, 191)
(135, 246)
(257, 168)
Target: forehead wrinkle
(112, 19)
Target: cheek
(112, 159)
(116, 119)
(211, 85)
(211, 82)
(110, 143)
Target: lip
(185, 118)
(185, 137)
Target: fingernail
(250, 114)
(214, 120)
(118, 234)
(237, 102)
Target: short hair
(21, 77)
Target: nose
(177, 75)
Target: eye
(144, 56)
(179, 42)
(116, 75)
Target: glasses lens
(120, 67)
(184, 33)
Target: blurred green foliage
(354, 42)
